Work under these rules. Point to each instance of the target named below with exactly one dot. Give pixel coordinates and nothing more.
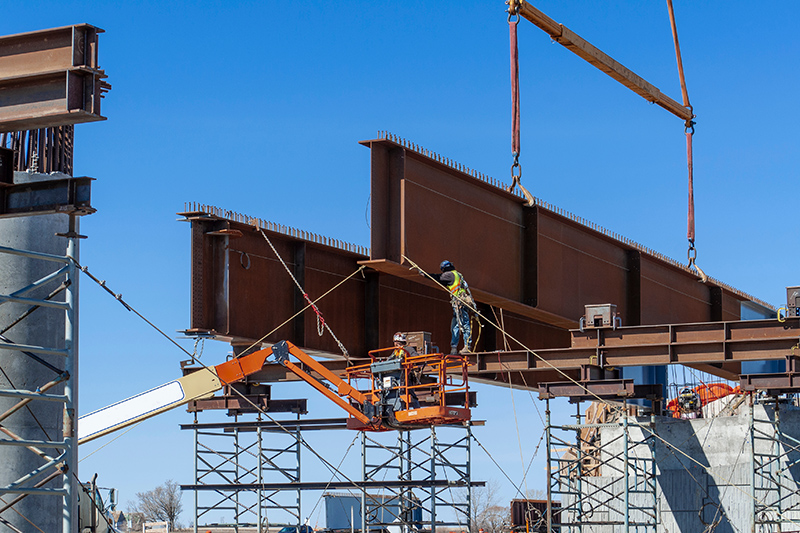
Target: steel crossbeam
(50, 78)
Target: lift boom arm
(207, 381)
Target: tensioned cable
(247, 400)
(516, 487)
(615, 408)
(516, 424)
(322, 325)
(346, 453)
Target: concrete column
(40, 420)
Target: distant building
(119, 521)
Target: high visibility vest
(459, 286)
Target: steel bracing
(609, 483)
(413, 479)
(434, 467)
(250, 469)
(54, 473)
(776, 463)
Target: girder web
(776, 463)
(434, 467)
(609, 482)
(234, 457)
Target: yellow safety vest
(457, 288)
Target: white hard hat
(399, 337)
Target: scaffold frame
(436, 461)
(622, 493)
(63, 463)
(776, 505)
(249, 477)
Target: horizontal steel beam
(50, 99)
(49, 50)
(606, 389)
(238, 405)
(538, 262)
(333, 485)
(274, 425)
(602, 61)
(773, 384)
(241, 291)
(50, 78)
(68, 195)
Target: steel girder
(50, 78)
(533, 267)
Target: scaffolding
(55, 472)
(609, 482)
(252, 469)
(435, 461)
(776, 470)
(414, 479)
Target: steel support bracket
(69, 195)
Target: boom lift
(388, 393)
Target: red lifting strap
(690, 216)
(512, 28)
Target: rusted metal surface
(50, 78)
(44, 150)
(241, 292)
(68, 195)
(605, 389)
(716, 347)
(539, 262)
(597, 58)
(773, 384)
(533, 269)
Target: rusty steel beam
(236, 405)
(605, 389)
(50, 78)
(538, 262)
(600, 60)
(716, 347)
(531, 268)
(68, 195)
(241, 292)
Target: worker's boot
(454, 350)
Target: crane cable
(321, 324)
(235, 391)
(689, 131)
(516, 168)
(616, 409)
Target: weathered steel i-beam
(50, 78)
(530, 268)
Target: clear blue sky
(257, 107)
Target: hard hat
(446, 265)
(399, 337)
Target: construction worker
(401, 348)
(400, 352)
(460, 297)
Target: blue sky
(257, 107)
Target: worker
(401, 348)
(689, 404)
(401, 352)
(461, 300)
